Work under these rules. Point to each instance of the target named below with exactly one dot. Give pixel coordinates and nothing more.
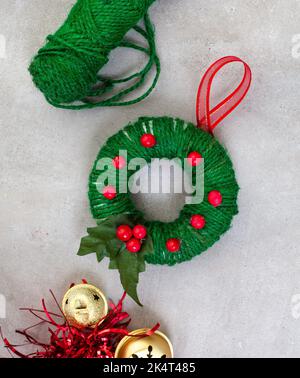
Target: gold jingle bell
(84, 306)
(154, 346)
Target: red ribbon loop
(208, 119)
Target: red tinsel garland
(70, 342)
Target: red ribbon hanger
(207, 118)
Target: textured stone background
(238, 300)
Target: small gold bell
(154, 346)
(84, 306)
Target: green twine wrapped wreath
(199, 225)
(174, 138)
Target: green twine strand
(175, 138)
(67, 68)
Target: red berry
(148, 140)
(124, 233)
(140, 232)
(194, 158)
(110, 192)
(215, 198)
(134, 245)
(198, 222)
(173, 245)
(119, 162)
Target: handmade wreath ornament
(122, 233)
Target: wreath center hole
(159, 190)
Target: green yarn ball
(175, 139)
(67, 67)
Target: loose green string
(67, 68)
(107, 85)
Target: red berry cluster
(132, 237)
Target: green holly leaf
(113, 248)
(102, 232)
(102, 239)
(128, 265)
(101, 252)
(113, 265)
(88, 245)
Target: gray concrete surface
(241, 299)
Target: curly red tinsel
(70, 342)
